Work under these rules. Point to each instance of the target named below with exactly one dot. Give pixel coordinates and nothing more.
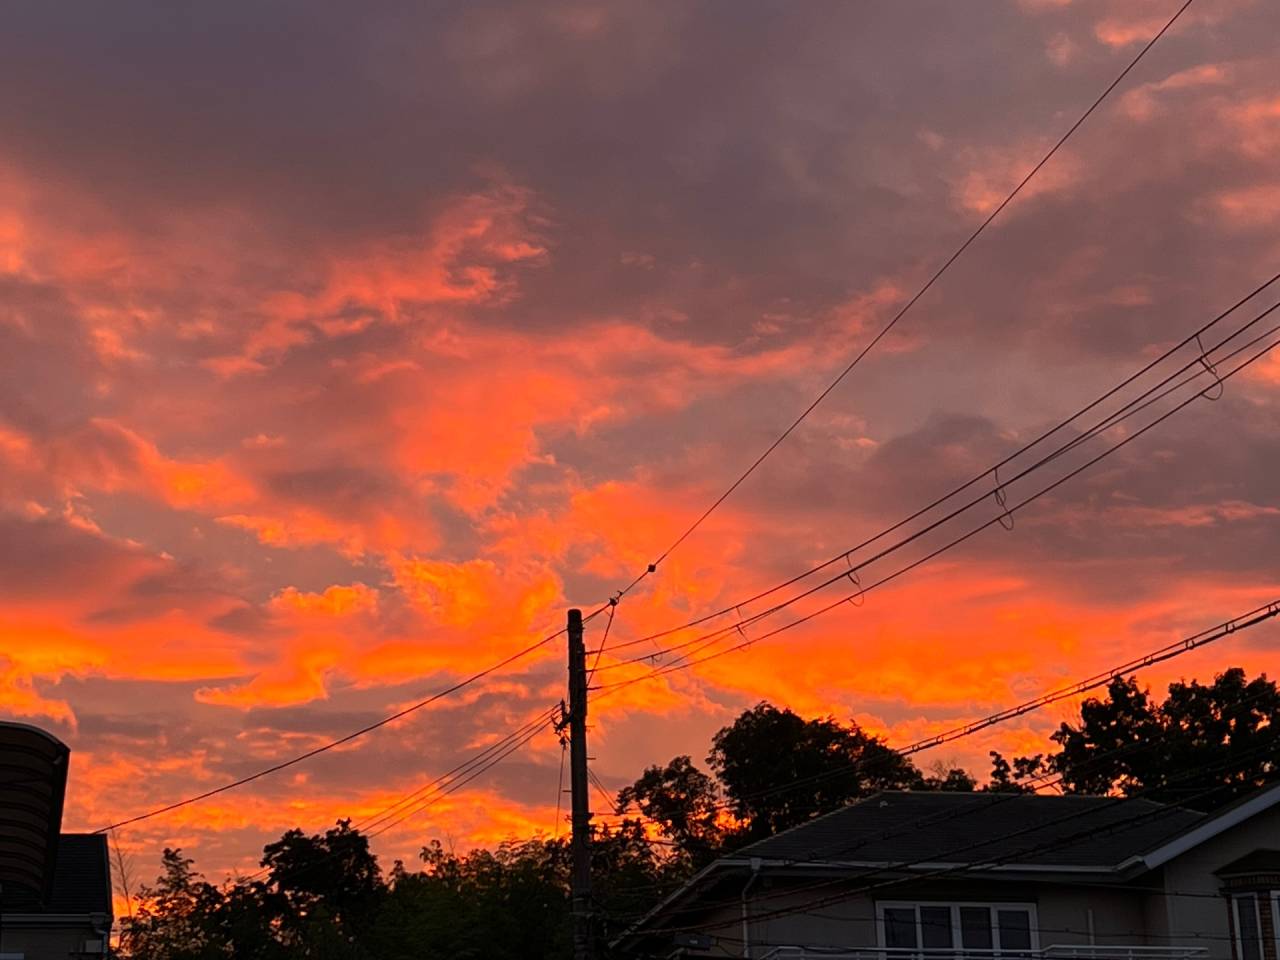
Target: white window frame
(955, 905)
(1239, 927)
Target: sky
(346, 346)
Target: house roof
(973, 828)
(1260, 861)
(1221, 820)
(1021, 834)
(81, 880)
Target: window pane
(975, 928)
(935, 926)
(1015, 931)
(900, 927)
(1247, 913)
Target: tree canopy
(324, 896)
(1203, 746)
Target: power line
(1046, 847)
(996, 799)
(603, 790)
(1046, 780)
(458, 784)
(863, 589)
(356, 734)
(533, 725)
(1194, 337)
(837, 953)
(452, 786)
(937, 275)
(604, 640)
(437, 788)
(1240, 622)
(989, 863)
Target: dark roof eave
(1211, 826)
(636, 930)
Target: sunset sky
(346, 346)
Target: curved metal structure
(33, 784)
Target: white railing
(1091, 951)
(1088, 951)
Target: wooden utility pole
(583, 940)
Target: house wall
(1197, 914)
(1062, 912)
(1078, 915)
(46, 943)
(848, 922)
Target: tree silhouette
(685, 801)
(1204, 746)
(778, 769)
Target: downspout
(756, 864)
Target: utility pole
(583, 945)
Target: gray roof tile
(974, 828)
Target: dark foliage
(324, 897)
(1204, 746)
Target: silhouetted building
(55, 888)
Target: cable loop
(1006, 517)
(859, 598)
(1212, 371)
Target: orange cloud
(1256, 121)
(462, 259)
(1137, 21)
(1143, 101)
(1121, 31)
(988, 175)
(1250, 207)
(334, 601)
